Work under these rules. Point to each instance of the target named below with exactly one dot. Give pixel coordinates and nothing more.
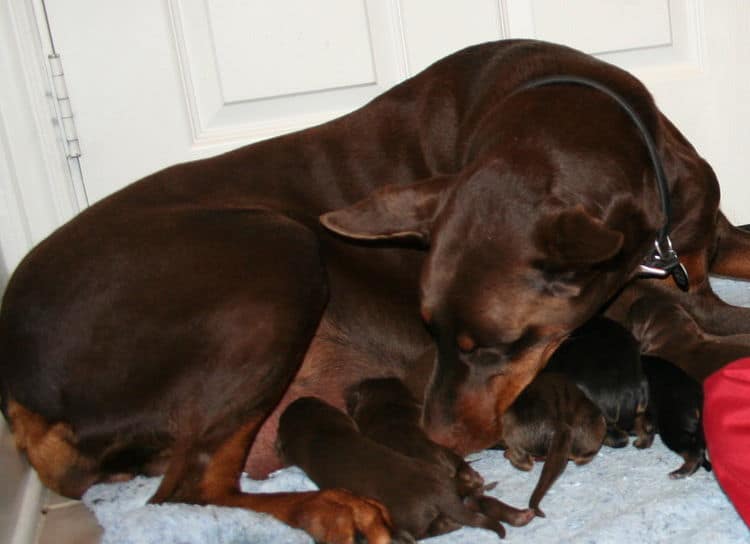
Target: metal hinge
(72, 146)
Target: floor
(65, 521)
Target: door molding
(36, 196)
(36, 187)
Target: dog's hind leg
(51, 449)
(732, 254)
(260, 327)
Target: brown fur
(175, 320)
(386, 412)
(551, 420)
(326, 444)
(51, 449)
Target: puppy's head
(373, 395)
(510, 269)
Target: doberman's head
(524, 245)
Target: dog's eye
(486, 357)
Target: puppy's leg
(554, 465)
(644, 430)
(495, 509)
(693, 461)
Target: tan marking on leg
(227, 462)
(51, 450)
(331, 515)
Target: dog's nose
(438, 422)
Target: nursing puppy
(551, 420)
(386, 412)
(602, 358)
(327, 445)
(675, 408)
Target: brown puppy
(326, 444)
(386, 412)
(551, 420)
(603, 359)
(167, 327)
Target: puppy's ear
(393, 212)
(573, 238)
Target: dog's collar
(663, 261)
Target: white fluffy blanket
(622, 496)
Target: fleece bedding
(622, 496)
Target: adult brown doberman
(167, 327)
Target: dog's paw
(336, 516)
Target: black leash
(663, 261)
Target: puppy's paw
(692, 463)
(616, 438)
(500, 511)
(519, 458)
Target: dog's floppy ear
(393, 212)
(573, 238)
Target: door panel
(154, 83)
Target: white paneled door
(158, 82)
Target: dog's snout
(437, 420)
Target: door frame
(36, 196)
(37, 193)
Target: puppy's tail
(554, 465)
(732, 254)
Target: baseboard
(27, 524)
(20, 494)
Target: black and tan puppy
(327, 445)
(551, 420)
(602, 358)
(675, 409)
(386, 411)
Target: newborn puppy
(675, 407)
(385, 411)
(551, 419)
(325, 443)
(603, 359)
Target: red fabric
(726, 423)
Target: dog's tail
(732, 254)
